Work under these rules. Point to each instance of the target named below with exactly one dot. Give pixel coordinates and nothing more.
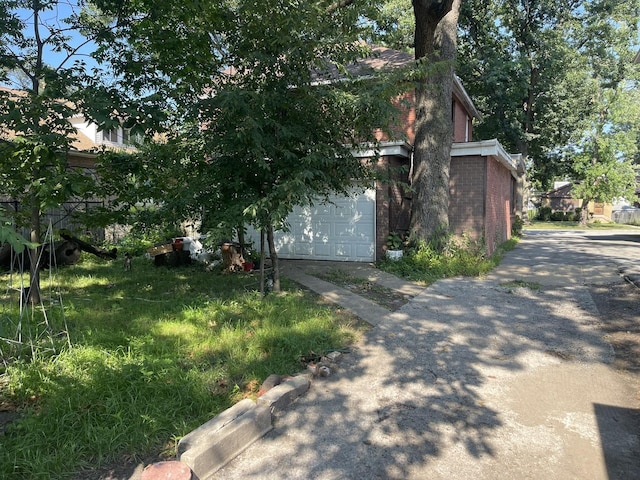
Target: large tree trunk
(435, 42)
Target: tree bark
(435, 43)
(262, 258)
(275, 263)
(87, 247)
(34, 255)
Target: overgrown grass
(155, 353)
(427, 263)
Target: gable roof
(384, 59)
(564, 191)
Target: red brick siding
(480, 205)
(461, 122)
(393, 202)
(382, 218)
(499, 201)
(467, 196)
(403, 129)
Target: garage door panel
(304, 249)
(324, 209)
(323, 250)
(343, 250)
(342, 230)
(364, 251)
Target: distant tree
(394, 25)
(535, 70)
(603, 161)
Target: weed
(450, 257)
(521, 284)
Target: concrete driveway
(506, 377)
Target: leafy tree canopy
(535, 70)
(261, 111)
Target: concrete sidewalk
(473, 378)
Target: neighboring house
(561, 199)
(86, 141)
(485, 186)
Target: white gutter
(391, 149)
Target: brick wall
(481, 203)
(403, 128)
(481, 199)
(461, 123)
(499, 201)
(393, 201)
(467, 199)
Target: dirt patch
(383, 296)
(619, 307)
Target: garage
(342, 230)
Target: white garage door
(341, 230)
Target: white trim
(467, 120)
(460, 92)
(385, 149)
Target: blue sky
(54, 19)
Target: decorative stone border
(211, 446)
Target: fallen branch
(87, 247)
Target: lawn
(142, 358)
(540, 225)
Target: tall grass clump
(445, 256)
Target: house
(85, 142)
(562, 199)
(485, 186)
(87, 138)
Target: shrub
(516, 228)
(444, 256)
(394, 241)
(544, 214)
(557, 216)
(570, 216)
(577, 214)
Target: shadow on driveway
(472, 378)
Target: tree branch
(338, 5)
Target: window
(120, 136)
(110, 135)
